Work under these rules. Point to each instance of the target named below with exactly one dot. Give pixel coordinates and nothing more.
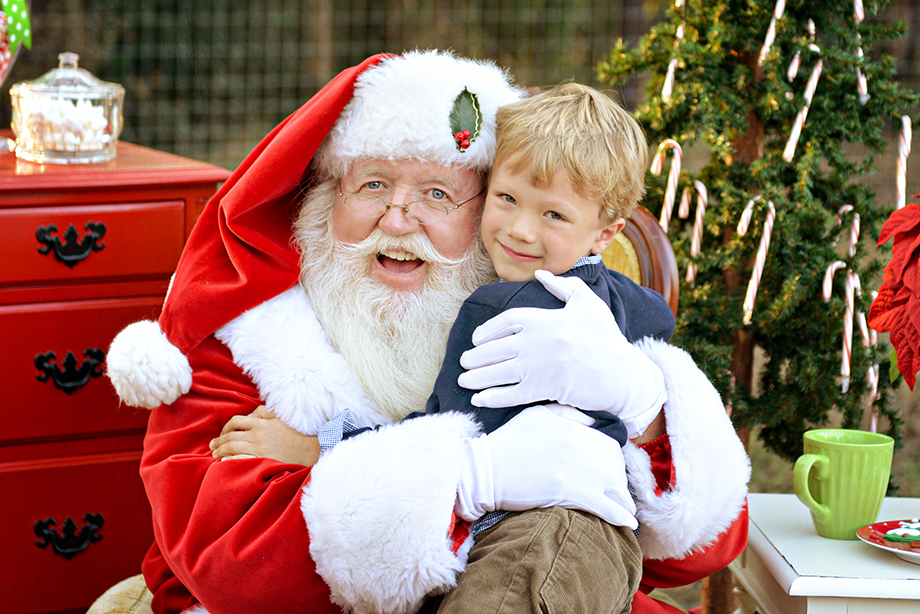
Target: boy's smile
(526, 228)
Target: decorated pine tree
(784, 106)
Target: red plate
(872, 535)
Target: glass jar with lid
(67, 116)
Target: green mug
(842, 478)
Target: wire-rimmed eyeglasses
(425, 211)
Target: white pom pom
(145, 368)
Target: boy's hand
(576, 355)
(262, 435)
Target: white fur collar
(302, 378)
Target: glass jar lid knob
(68, 59)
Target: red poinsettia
(897, 306)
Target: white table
(787, 568)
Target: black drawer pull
(69, 542)
(72, 376)
(73, 249)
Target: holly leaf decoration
(465, 119)
(20, 27)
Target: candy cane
(673, 177)
(903, 153)
(869, 336)
(683, 211)
(872, 375)
(771, 31)
(862, 87)
(793, 69)
(860, 316)
(854, 227)
(799, 123)
(697, 241)
(869, 339)
(761, 252)
(847, 316)
(672, 65)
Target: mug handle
(801, 470)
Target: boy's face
(525, 228)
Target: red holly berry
(465, 143)
(458, 137)
(466, 135)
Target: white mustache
(379, 241)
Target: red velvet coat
(236, 535)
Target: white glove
(576, 355)
(539, 459)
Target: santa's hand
(576, 355)
(539, 459)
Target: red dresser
(85, 251)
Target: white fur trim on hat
(145, 368)
(379, 521)
(401, 110)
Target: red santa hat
(429, 105)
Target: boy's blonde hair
(577, 129)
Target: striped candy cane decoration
(903, 153)
(869, 339)
(859, 14)
(851, 281)
(872, 375)
(771, 31)
(862, 86)
(696, 241)
(670, 192)
(793, 69)
(854, 227)
(761, 258)
(799, 123)
(683, 211)
(668, 86)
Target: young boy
(569, 169)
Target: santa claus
(284, 297)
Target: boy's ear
(606, 235)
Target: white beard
(393, 340)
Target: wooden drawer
(63, 244)
(44, 398)
(82, 489)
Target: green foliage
(741, 114)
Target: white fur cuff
(711, 467)
(145, 368)
(378, 508)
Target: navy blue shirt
(639, 312)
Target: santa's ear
(145, 368)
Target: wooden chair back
(643, 253)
